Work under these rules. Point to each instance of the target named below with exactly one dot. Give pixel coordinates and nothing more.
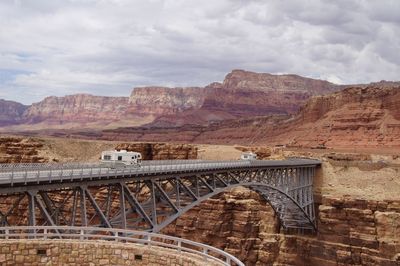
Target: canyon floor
(356, 193)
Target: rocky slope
(37, 150)
(11, 112)
(351, 231)
(20, 150)
(358, 116)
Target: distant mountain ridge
(242, 94)
(353, 117)
(11, 112)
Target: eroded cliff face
(368, 116)
(232, 221)
(241, 79)
(11, 112)
(356, 101)
(165, 101)
(246, 94)
(81, 108)
(20, 150)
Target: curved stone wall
(76, 252)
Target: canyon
(356, 197)
(353, 130)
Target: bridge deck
(22, 174)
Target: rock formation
(368, 116)
(242, 94)
(351, 231)
(38, 150)
(10, 112)
(20, 150)
(247, 94)
(357, 116)
(79, 108)
(164, 101)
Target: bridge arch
(266, 191)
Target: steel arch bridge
(152, 196)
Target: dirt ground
(74, 150)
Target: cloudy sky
(107, 47)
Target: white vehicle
(122, 158)
(248, 156)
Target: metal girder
(82, 195)
(137, 207)
(3, 219)
(98, 210)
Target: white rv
(121, 157)
(248, 156)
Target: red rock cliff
(368, 116)
(247, 93)
(163, 100)
(77, 108)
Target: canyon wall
(360, 116)
(162, 100)
(76, 108)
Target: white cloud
(58, 47)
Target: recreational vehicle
(248, 156)
(122, 157)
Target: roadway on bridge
(13, 174)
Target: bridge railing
(61, 172)
(161, 162)
(72, 165)
(183, 246)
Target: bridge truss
(151, 197)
